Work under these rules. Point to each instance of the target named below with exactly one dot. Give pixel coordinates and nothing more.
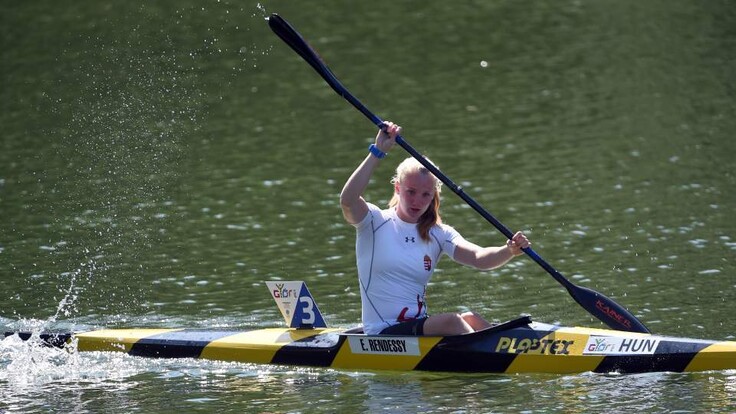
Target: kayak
(517, 346)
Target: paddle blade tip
(275, 19)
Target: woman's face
(416, 192)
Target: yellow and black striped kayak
(516, 346)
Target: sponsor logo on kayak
(533, 346)
(373, 345)
(605, 345)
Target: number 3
(308, 310)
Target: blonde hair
(430, 217)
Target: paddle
(598, 305)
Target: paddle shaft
(456, 189)
(479, 209)
(597, 304)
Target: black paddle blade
(606, 310)
(294, 40)
(291, 37)
(597, 304)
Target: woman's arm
(485, 258)
(354, 207)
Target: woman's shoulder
(386, 210)
(380, 213)
(445, 229)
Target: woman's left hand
(518, 242)
(386, 137)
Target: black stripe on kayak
(305, 352)
(458, 360)
(50, 339)
(178, 344)
(469, 352)
(672, 356)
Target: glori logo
(600, 345)
(281, 292)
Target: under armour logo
(409, 239)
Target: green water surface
(160, 160)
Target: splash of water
(126, 107)
(67, 303)
(29, 370)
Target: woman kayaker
(398, 248)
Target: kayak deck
(516, 346)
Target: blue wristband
(376, 152)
